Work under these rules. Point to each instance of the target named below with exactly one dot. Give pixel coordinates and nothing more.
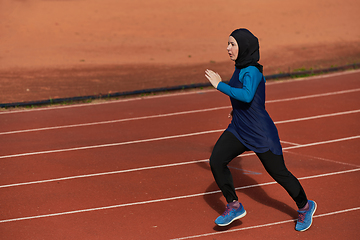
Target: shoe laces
(227, 211)
(301, 217)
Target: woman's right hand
(213, 77)
(230, 114)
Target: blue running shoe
(305, 217)
(230, 215)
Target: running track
(137, 168)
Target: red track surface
(137, 168)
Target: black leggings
(228, 147)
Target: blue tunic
(251, 123)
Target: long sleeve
(246, 93)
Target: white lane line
(104, 173)
(108, 102)
(300, 178)
(169, 114)
(314, 95)
(116, 121)
(265, 225)
(322, 76)
(163, 166)
(323, 142)
(168, 137)
(322, 159)
(164, 199)
(112, 172)
(318, 116)
(111, 144)
(291, 143)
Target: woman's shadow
(242, 178)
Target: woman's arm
(244, 94)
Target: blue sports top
(251, 123)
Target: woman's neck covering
(248, 44)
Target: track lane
(313, 124)
(155, 218)
(74, 114)
(145, 185)
(97, 134)
(154, 214)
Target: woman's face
(232, 48)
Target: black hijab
(249, 54)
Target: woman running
(251, 129)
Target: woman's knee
(215, 162)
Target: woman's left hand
(213, 77)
